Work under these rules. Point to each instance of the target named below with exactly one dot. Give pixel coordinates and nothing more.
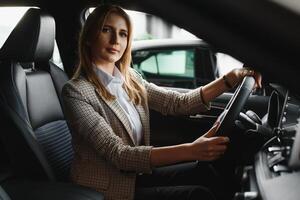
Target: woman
(107, 109)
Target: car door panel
(170, 130)
(169, 80)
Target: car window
(225, 63)
(166, 62)
(9, 17)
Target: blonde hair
(88, 37)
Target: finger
(218, 121)
(210, 156)
(246, 71)
(219, 140)
(250, 72)
(211, 132)
(213, 157)
(258, 79)
(257, 76)
(214, 153)
(220, 148)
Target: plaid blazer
(105, 155)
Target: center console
(275, 173)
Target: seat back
(38, 139)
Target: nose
(114, 39)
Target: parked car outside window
(180, 63)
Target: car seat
(37, 137)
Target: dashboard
(275, 173)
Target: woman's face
(112, 40)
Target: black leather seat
(36, 135)
(39, 140)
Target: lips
(112, 50)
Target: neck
(108, 67)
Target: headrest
(32, 39)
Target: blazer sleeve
(170, 102)
(92, 127)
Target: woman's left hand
(238, 75)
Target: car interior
(263, 125)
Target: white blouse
(113, 83)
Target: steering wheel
(234, 106)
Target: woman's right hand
(208, 147)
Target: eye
(123, 34)
(105, 30)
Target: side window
(149, 65)
(226, 63)
(9, 17)
(56, 59)
(179, 63)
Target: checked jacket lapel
(119, 112)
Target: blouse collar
(106, 79)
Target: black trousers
(186, 181)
